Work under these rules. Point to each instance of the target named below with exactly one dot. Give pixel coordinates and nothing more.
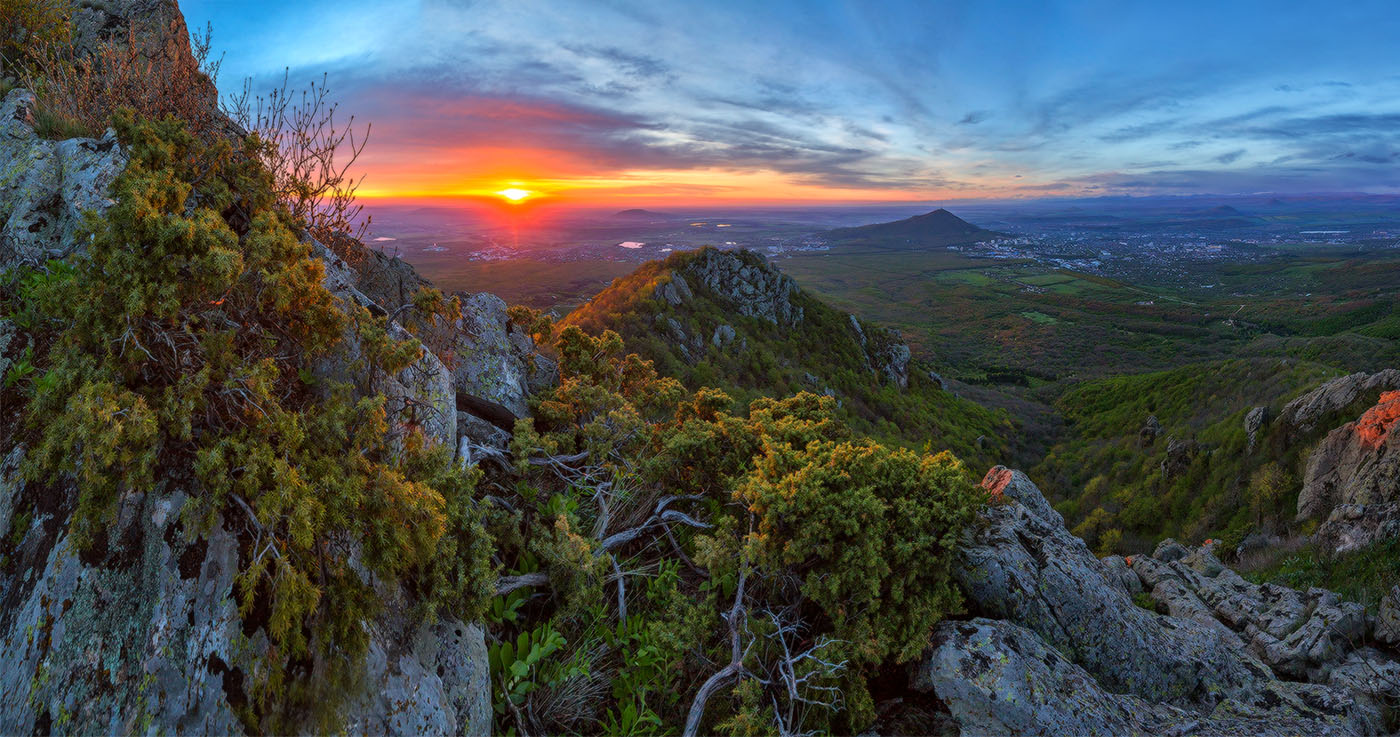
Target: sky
(826, 101)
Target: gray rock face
(1301, 415)
(1351, 527)
(892, 361)
(1179, 455)
(387, 280)
(1373, 680)
(420, 396)
(1076, 655)
(438, 684)
(146, 644)
(997, 678)
(1121, 575)
(674, 291)
(746, 281)
(1254, 421)
(1299, 635)
(485, 361)
(723, 336)
(1356, 464)
(1032, 572)
(1016, 485)
(9, 346)
(1388, 619)
(1150, 430)
(46, 186)
(143, 635)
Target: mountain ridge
(931, 230)
(732, 319)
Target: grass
(1040, 317)
(56, 126)
(1363, 576)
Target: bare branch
(728, 673)
(507, 584)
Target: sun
(515, 194)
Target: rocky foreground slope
(1061, 646)
(142, 633)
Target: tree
(1269, 487)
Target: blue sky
(846, 100)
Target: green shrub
(180, 351)
(30, 27)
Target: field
(1020, 323)
(543, 285)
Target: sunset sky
(842, 101)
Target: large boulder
(1180, 453)
(1351, 527)
(1150, 430)
(46, 186)
(1356, 464)
(1388, 619)
(492, 359)
(997, 678)
(1010, 483)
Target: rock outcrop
(744, 280)
(1388, 619)
(1180, 453)
(46, 186)
(1061, 647)
(143, 635)
(1150, 430)
(1254, 421)
(997, 678)
(1302, 415)
(493, 359)
(1353, 479)
(493, 363)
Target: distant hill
(731, 320)
(930, 230)
(638, 213)
(1223, 216)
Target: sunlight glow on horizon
(515, 194)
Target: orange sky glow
(550, 177)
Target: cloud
(1230, 157)
(974, 117)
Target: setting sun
(515, 194)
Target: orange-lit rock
(1352, 481)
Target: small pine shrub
(181, 351)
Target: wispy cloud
(907, 99)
